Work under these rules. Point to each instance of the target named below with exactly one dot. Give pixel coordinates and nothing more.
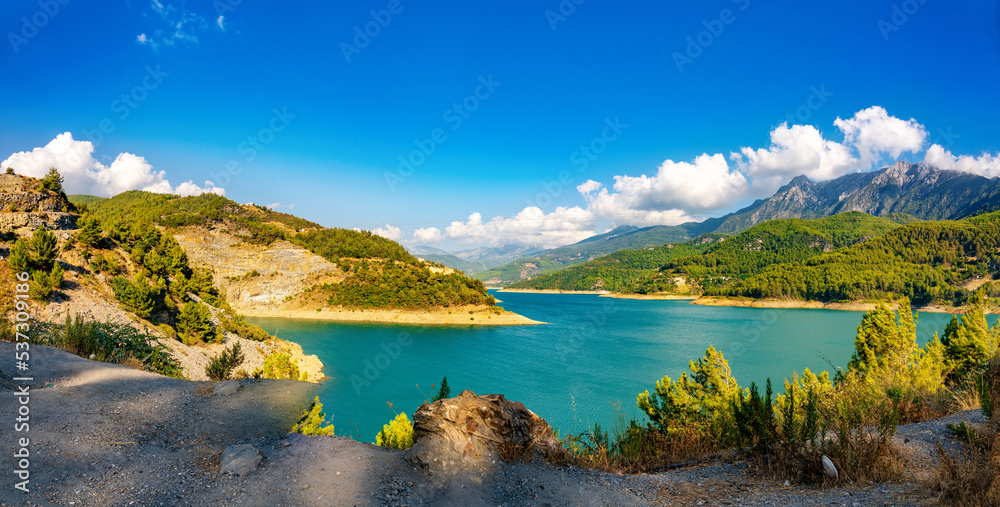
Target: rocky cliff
(24, 207)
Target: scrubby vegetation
(398, 434)
(313, 422)
(108, 342)
(280, 365)
(849, 418)
(221, 367)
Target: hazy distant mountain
(620, 238)
(921, 190)
(474, 260)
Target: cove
(585, 366)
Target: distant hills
(920, 190)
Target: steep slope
(275, 264)
(620, 238)
(921, 190)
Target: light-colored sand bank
(553, 291)
(857, 306)
(466, 316)
(657, 297)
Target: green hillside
(621, 238)
(379, 273)
(720, 262)
(925, 261)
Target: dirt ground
(108, 435)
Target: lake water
(587, 365)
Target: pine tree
(195, 324)
(705, 396)
(968, 342)
(313, 420)
(398, 434)
(90, 231)
(42, 249)
(443, 392)
(52, 181)
(20, 258)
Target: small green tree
(10, 170)
(41, 287)
(703, 398)
(398, 434)
(137, 297)
(42, 249)
(56, 276)
(194, 322)
(52, 181)
(279, 365)
(20, 258)
(221, 367)
(90, 230)
(312, 423)
(968, 342)
(443, 392)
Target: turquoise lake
(586, 365)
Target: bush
(108, 342)
(194, 323)
(398, 434)
(312, 422)
(279, 365)
(19, 258)
(138, 296)
(42, 249)
(41, 286)
(239, 325)
(90, 233)
(221, 367)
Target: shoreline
(554, 291)
(857, 306)
(651, 297)
(456, 317)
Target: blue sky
(331, 113)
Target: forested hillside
(709, 264)
(376, 272)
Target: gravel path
(109, 435)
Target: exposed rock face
(921, 190)
(282, 268)
(24, 208)
(474, 431)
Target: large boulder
(475, 431)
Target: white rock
(239, 459)
(830, 469)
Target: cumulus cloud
(531, 226)
(388, 232)
(984, 165)
(86, 175)
(795, 150)
(179, 25)
(221, 23)
(874, 133)
(427, 235)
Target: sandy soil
(109, 435)
(552, 291)
(463, 316)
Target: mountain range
(918, 189)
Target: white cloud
(588, 186)
(874, 133)
(388, 232)
(984, 165)
(84, 174)
(529, 227)
(795, 150)
(179, 25)
(427, 235)
(221, 23)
